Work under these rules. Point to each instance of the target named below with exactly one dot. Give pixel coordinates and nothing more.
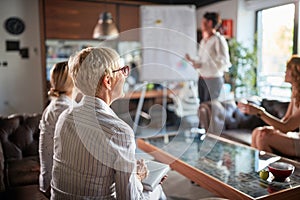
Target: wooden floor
(178, 187)
(29, 192)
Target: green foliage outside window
(242, 73)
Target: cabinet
(128, 22)
(73, 19)
(70, 19)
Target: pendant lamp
(106, 28)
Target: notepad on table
(157, 171)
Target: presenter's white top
(213, 56)
(94, 155)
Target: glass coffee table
(226, 168)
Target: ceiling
(198, 3)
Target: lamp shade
(106, 28)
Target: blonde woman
(280, 137)
(61, 94)
(94, 150)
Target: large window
(275, 38)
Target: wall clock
(14, 25)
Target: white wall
(245, 31)
(243, 14)
(21, 87)
(226, 10)
(243, 18)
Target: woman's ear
(210, 22)
(107, 82)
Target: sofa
(225, 119)
(19, 157)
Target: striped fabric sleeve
(127, 184)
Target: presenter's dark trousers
(209, 88)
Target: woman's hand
(195, 65)
(163, 179)
(249, 108)
(142, 170)
(187, 56)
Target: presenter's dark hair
(214, 17)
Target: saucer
(287, 180)
(271, 180)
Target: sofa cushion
(7, 127)
(225, 117)
(2, 185)
(231, 119)
(19, 135)
(212, 117)
(250, 122)
(23, 172)
(235, 119)
(275, 107)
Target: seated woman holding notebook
(94, 150)
(280, 136)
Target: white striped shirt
(47, 127)
(94, 155)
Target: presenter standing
(213, 58)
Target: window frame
(295, 48)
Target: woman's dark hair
(214, 17)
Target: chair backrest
(212, 116)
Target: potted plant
(242, 73)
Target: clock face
(14, 25)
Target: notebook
(157, 171)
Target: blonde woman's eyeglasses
(125, 70)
